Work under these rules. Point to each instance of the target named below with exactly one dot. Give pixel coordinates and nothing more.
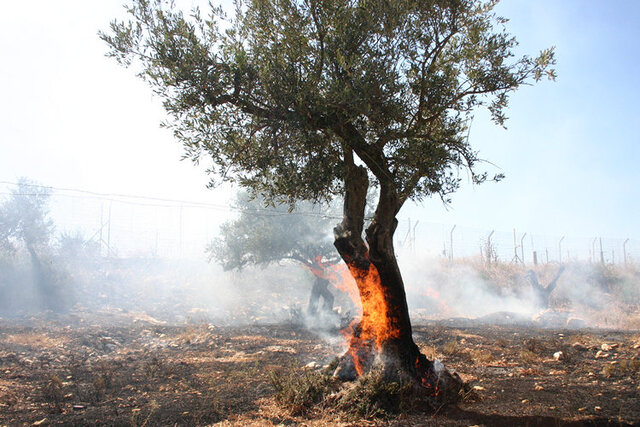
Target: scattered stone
(606, 347)
(579, 346)
(478, 388)
(79, 407)
(598, 408)
(311, 365)
(281, 349)
(10, 358)
(584, 408)
(538, 388)
(39, 423)
(551, 318)
(601, 355)
(525, 401)
(558, 355)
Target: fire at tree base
(396, 362)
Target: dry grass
(451, 348)
(481, 356)
(429, 351)
(374, 396)
(528, 357)
(621, 368)
(299, 391)
(35, 340)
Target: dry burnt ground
(145, 373)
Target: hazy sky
(70, 117)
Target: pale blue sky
(571, 150)
(72, 118)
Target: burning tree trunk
(383, 336)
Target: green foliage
(24, 217)
(52, 390)
(26, 232)
(299, 391)
(281, 93)
(374, 396)
(265, 235)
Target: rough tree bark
(542, 293)
(383, 337)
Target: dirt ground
(130, 369)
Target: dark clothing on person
(320, 289)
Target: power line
(130, 200)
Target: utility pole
(180, 237)
(624, 251)
(407, 237)
(101, 225)
(489, 247)
(451, 243)
(601, 253)
(522, 247)
(109, 232)
(560, 249)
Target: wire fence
(140, 226)
(453, 241)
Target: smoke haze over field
(74, 120)
(191, 290)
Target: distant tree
(24, 218)
(266, 235)
(25, 225)
(543, 293)
(309, 99)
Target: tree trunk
(382, 339)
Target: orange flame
(364, 287)
(376, 322)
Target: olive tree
(266, 235)
(25, 225)
(310, 99)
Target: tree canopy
(280, 94)
(24, 217)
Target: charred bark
(543, 293)
(383, 337)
